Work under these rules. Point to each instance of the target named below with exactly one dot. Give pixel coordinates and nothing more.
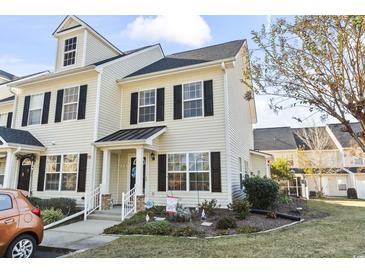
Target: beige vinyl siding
(259, 165)
(184, 135)
(69, 24)
(96, 50)
(110, 96)
(329, 183)
(66, 137)
(6, 108)
(79, 50)
(240, 134)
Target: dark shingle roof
(125, 53)
(193, 57)
(131, 134)
(7, 99)
(17, 136)
(7, 75)
(302, 144)
(277, 138)
(344, 138)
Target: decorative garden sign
(171, 204)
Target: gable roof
(344, 138)
(7, 75)
(277, 138)
(17, 136)
(80, 23)
(300, 143)
(193, 57)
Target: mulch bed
(254, 222)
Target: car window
(5, 202)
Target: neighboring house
(342, 162)
(134, 122)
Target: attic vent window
(69, 52)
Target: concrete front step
(105, 217)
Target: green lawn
(341, 234)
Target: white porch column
(139, 171)
(9, 169)
(105, 181)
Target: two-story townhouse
(342, 161)
(49, 149)
(134, 126)
(187, 127)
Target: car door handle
(9, 221)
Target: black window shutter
(208, 98)
(9, 120)
(162, 172)
(41, 174)
(45, 112)
(82, 173)
(82, 102)
(59, 104)
(241, 181)
(215, 161)
(25, 111)
(160, 112)
(177, 102)
(134, 108)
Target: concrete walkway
(80, 235)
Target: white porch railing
(129, 203)
(92, 201)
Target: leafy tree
(313, 61)
(281, 169)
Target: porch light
(153, 156)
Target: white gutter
(226, 133)
(174, 71)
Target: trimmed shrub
(226, 223)
(157, 228)
(261, 192)
(246, 229)
(312, 194)
(351, 193)
(186, 231)
(66, 205)
(209, 206)
(241, 208)
(51, 215)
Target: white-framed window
(147, 106)
(61, 172)
(70, 103)
(193, 99)
(3, 119)
(188, 171)
(69, 55)
(246, 167)
(35, 109)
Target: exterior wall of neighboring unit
(360, 185)
(96, 50)
(259, 166)
(65, 137)
(203, 134)
(240, 136)
(110, 108)
(79, 61)
(330, 184)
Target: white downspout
(226, 133)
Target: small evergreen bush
(157, 228)
(261, 192)
(66, 205)
(51, 215)
(209, 206)
(241, 208)
(226, 223)
(351, 193)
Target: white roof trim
(263, 154)
(85, 25)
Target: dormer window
(70, 52)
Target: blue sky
(27, 44)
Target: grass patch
(341, 234)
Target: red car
(21, 227)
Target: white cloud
(191, 30)
(20, 67)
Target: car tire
(23, 246)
